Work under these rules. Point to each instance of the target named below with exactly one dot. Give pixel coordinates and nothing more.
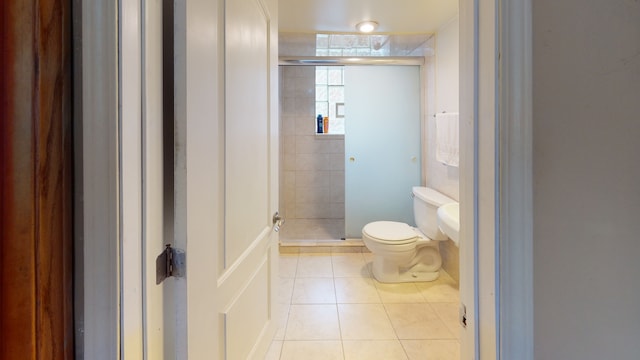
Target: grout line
(335, 294)
(337, 303)
(282, 345)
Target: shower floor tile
(312, 229)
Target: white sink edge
(449, 220)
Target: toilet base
(387, 273)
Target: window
(330, 96)
(352, 45)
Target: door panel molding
(231, 275)
(245, 319)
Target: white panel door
(225, 143)
(249, 245)
(225, 177)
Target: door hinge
(171, 262)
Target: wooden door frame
(36, 170)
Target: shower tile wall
(312, 166)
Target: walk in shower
(312, 165)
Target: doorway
(103, 96)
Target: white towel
(447, 139)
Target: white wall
(446, 87)
(447, 69)
(586, 154)
(442, 89)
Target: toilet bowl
(403, 253)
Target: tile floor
(332, 308)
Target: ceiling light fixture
(366, 26)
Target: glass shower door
(382, 144)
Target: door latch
(171, 262)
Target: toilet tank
(426, 202)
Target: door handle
(278, 221)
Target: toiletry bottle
(325, 123)
(320, 126)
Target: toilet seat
(391, 232)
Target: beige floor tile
(370, 316)
(349, 265)
(282, 316)
(417, 321)
(314, 265)
(448, 313)
(313, 291)
(373, 350)
(432, 349)
(364, 322)
(356, 291)
(399, 293)
(312, 350)
(312, 322)
(443, 289)
(274, 351)
(285, 290)
(280, 332)
(287, 265)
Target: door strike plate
(171, 262)
(463, 315)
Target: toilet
(403, 253)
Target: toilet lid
(390, 231)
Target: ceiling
(393, 16)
